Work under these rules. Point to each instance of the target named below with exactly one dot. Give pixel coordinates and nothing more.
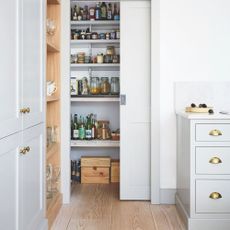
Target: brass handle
(94, 168)
(215, 132)
(215, 196)
(101, 173)
(25, 110)
(27, 148)
(215, 160)
(23, 151)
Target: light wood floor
(96, 207)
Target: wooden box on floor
(95, 170)
(115, 171)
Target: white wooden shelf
(98, 41)
(95, 143)
(99, 22)
(94, 65)
(95, 99)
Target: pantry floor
(96, 207)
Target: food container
(102, 35)
(115, 86)
(81, 58)
(73, 58)
(94, 36)
(115, 59)
(108, 58)
(100, 58)
(107, 36)
(87, 59)
(113, 35)
(110, 50)
(88, 36)
(95, 85)
(105, 85)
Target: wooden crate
(95, 161)
(95, 170)
(115, 171)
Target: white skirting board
(167, 196)
(201, 224)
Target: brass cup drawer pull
(25, 110)
(215, 160)
(215, 196)
(215, 132)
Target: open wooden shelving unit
(53, 105)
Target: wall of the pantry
(194, 46)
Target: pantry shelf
(99, 22)
(95, 99)
(94, 65)
(95, 143)
(102, 41)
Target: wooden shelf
(102, 41)
(99, 22)
(51, 150)
(52, 98)
(95, 143)
(95, 99)
(52, 48)
(53, 2)
(94, 65)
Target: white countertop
(203, 116)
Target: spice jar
(105, 85)
(100, 58)
(115, 86)
(94, 35)
(95, 85)
(110, 50)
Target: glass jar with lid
(105, 85)
(115, 86)
(95, 85)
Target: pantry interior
(100, 89)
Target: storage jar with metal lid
(105, 85)
(115, 86)
(95, 85)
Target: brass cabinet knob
(25, 110)
(25, 150)
(215, 160)
(215, 132)
(215, 196)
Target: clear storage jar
(95, 85)
(105, 85)
(115, 86)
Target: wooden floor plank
(97, 207)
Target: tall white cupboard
(22, 115)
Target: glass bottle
(81, 129)
(75, 128)
(75, 13)
(88, 129)
(93, 129)
(116, 15)
(105, 85)
(109, 12)
(115, 86)
(92, 13)
(103, 11)
(98, 12)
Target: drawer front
(213, 132)
(213, 160)
(94, 171)
(213, 196)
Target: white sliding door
(135, 104)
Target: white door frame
(155, 101)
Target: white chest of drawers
(203, 170)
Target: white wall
(194, 46)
